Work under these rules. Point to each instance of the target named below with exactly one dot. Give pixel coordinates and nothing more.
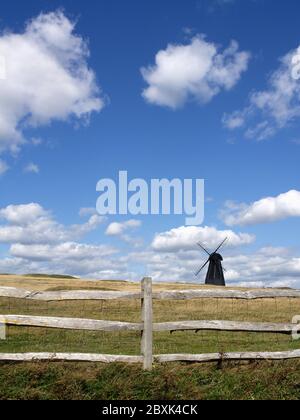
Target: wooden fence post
(2, 328)
(147, 321)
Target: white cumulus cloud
(47, 78)
(193, 71)
(266, 210)
(40, 244)
(79, 259)
(32, 224)
(267, 267)
(117, 229)
(87, 211)
(124, 231)
(272, 109)
(186, 237)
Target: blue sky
(237, 127)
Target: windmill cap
(216, 256)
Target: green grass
(63, 381)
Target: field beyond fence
(115, 321)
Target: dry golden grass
(37, 339)
(46, 283)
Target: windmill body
(215, 272)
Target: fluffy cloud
(38, 243)
(31, 224)
(194, 71)
(266, 210)
(47, 78)
(186, 238)
(268, 267)
(117, 229)
(271, 109)
(22, 214)
(121, 230)
(87, 211)
(59, 252)
(90, 261)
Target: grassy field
(76, 381)
(44, 380)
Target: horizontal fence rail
(147, 327)
(162, 358)
(226, 294)
(69, 357)
(232, 326)
(215, 357)
(97, 325)
(11, 292)
(69, 323)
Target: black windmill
(215, 272)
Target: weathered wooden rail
(69, 357)
(146, 326)
(162, 358)
(69, 323)
(215, 357)
(111, 326)
(12, 292)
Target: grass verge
(80, 381)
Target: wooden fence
(146, 326)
